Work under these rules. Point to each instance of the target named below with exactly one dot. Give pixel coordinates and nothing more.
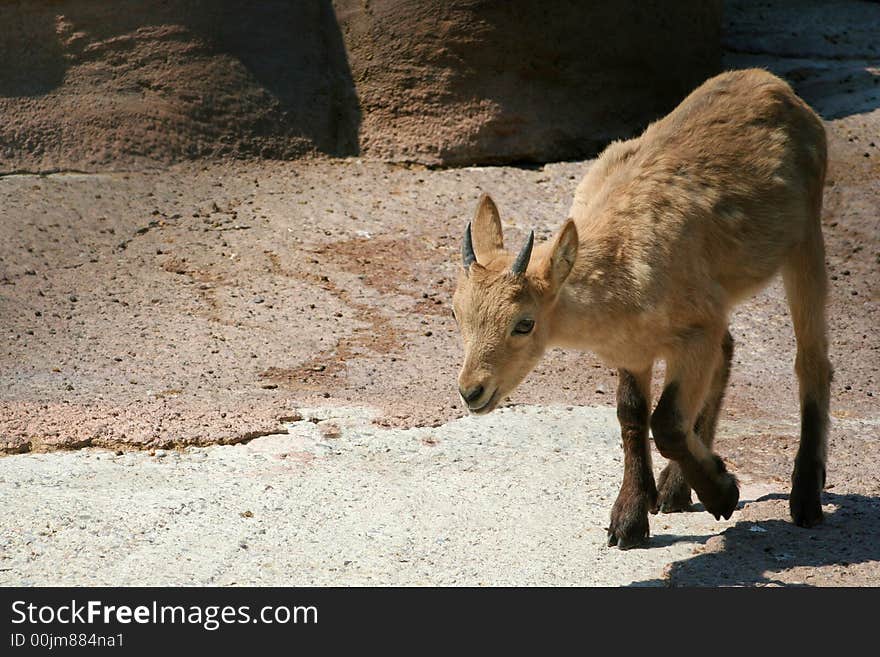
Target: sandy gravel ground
(194, 307)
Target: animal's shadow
(754, 550)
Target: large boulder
(91, 84)
(88, 84)
(481, 81)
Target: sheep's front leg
(673, 491)
(638, 494)
(689, 372)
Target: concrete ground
(518, 498)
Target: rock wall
(89, 84)
(481, 81)
(92, 84)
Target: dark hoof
(805, 501)
(626, 538)
(674, 493)
(629, 521)
(723, 500)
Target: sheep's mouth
(487, 407)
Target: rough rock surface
(478, 81)
(94, 86)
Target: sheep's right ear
(562, 256)
(486, 230)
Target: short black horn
(468, 257)
(522, 260)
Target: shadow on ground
(757, 552)
(828, 51)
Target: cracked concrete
(517, 498)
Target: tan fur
(673, 229)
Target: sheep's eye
(524, 326)
(452, 310)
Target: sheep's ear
(486, 230)
(562, 256)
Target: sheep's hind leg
(638, 494)
(806, 287)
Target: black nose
(472, 394)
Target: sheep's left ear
(562, 256)
(486, 230)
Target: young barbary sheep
(667, 233)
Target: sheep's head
(504, 304)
